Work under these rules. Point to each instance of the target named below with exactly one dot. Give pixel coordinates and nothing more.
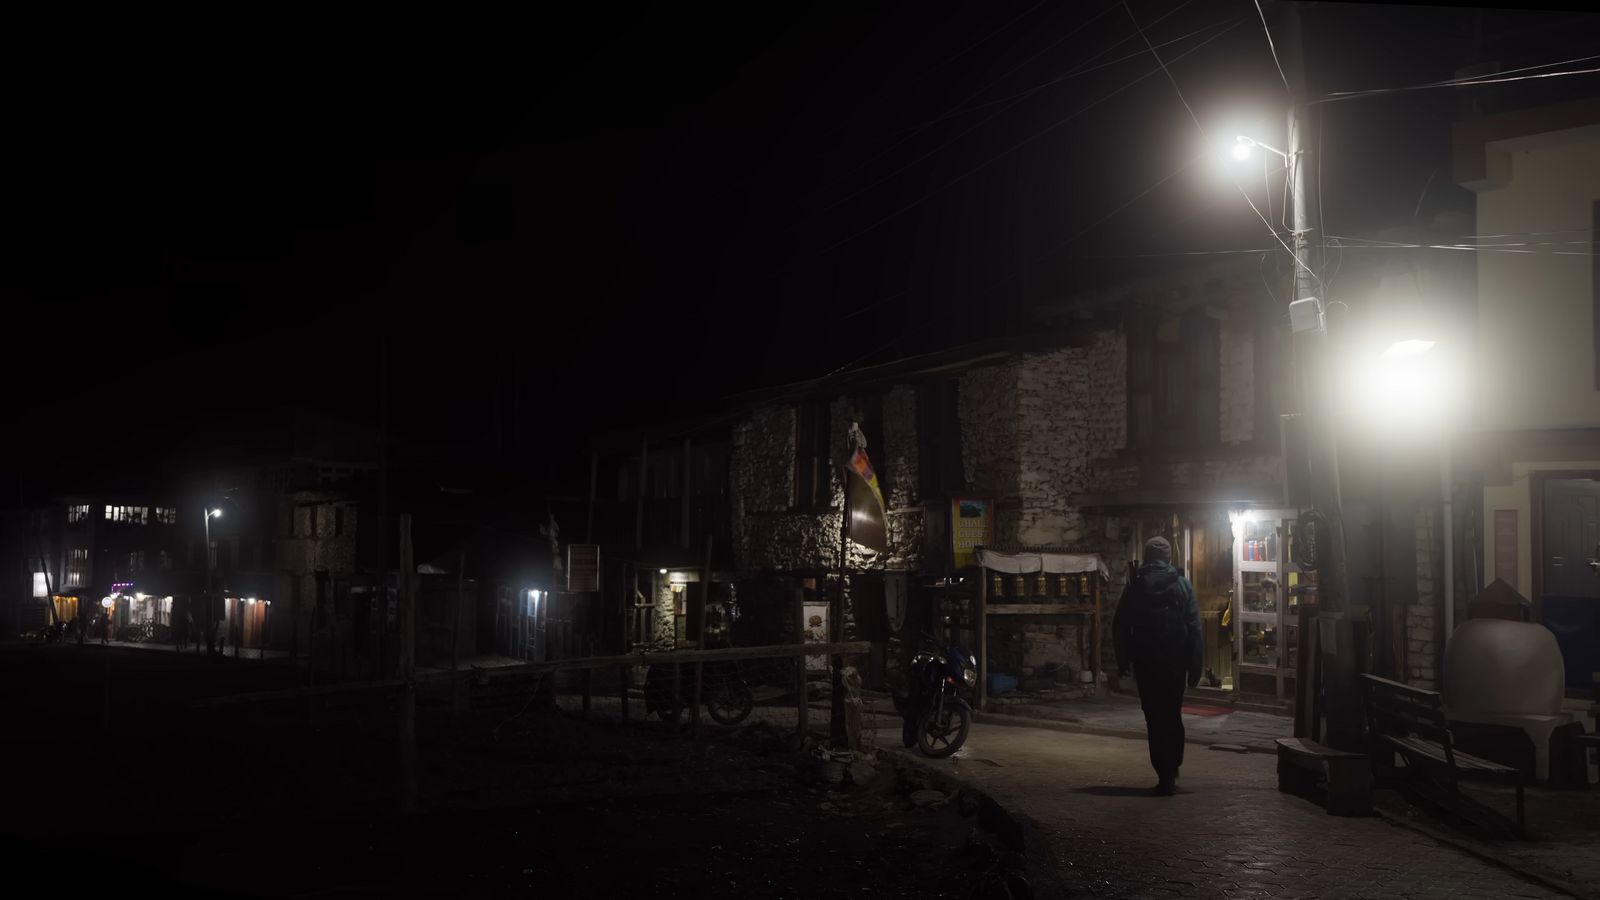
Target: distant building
(84, 549)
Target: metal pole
(983, 637)
(209, 625)
(408, 696)
(1312, 353)
(638, 516)
(836, 729)
(687, 498)
(594, 476)
(1445, 478)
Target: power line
(975, 44)
(1010, 101)
(1017, 146)
(1152, 48)
(1273, 47)
(957, 109)
(806, 386)
(1206, 138)
(1081, 69)
(1504, 78)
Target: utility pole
(408, 671)
(1316, 396)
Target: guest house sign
(971, 527)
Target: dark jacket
(1157, 625)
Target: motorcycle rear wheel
(730, 704)
(939, 736)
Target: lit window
(108, 516)
(40, 587)
(78, 568)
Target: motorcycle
(728, 696)
(937, 716)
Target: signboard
(1505, 546)
(583, 567)
(971, 527)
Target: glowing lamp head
(215, 514)
(663, 571)
(1242, 148)
(1407, 349)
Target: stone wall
(762, 466)
(1422, 626)
(1236, 380)
(1025, 647)
(771, 536)
(664, 634)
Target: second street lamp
(209, 612)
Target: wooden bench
(1411, 722)
(1303, 763)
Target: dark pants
(1161, 697)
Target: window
(811, 432)
(135, 562)
(1173, 382)
(78, 513)
(166, 561)
(77, 567)
(166, 515)
(939, 467)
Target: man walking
(1157, 631)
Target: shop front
(245, 622)
(1268, 591)
(1240, 556)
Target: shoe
(1166, 789)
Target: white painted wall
(1535, 310)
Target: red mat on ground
(1206, 710)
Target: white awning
(1050, 563)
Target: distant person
(1157, 631)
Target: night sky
(638, 212)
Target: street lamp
(1244, 147)
(1407, 385)
(210, 514)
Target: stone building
(1130, 412)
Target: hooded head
(1157, 550)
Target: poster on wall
(971, 527)
(816, 633)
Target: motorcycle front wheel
(943, 731)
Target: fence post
(677, 693)
(626, 679)
(694, 711)
(803, 706)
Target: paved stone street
(1228, 833)
(1120, 713)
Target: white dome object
(1500, 667)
